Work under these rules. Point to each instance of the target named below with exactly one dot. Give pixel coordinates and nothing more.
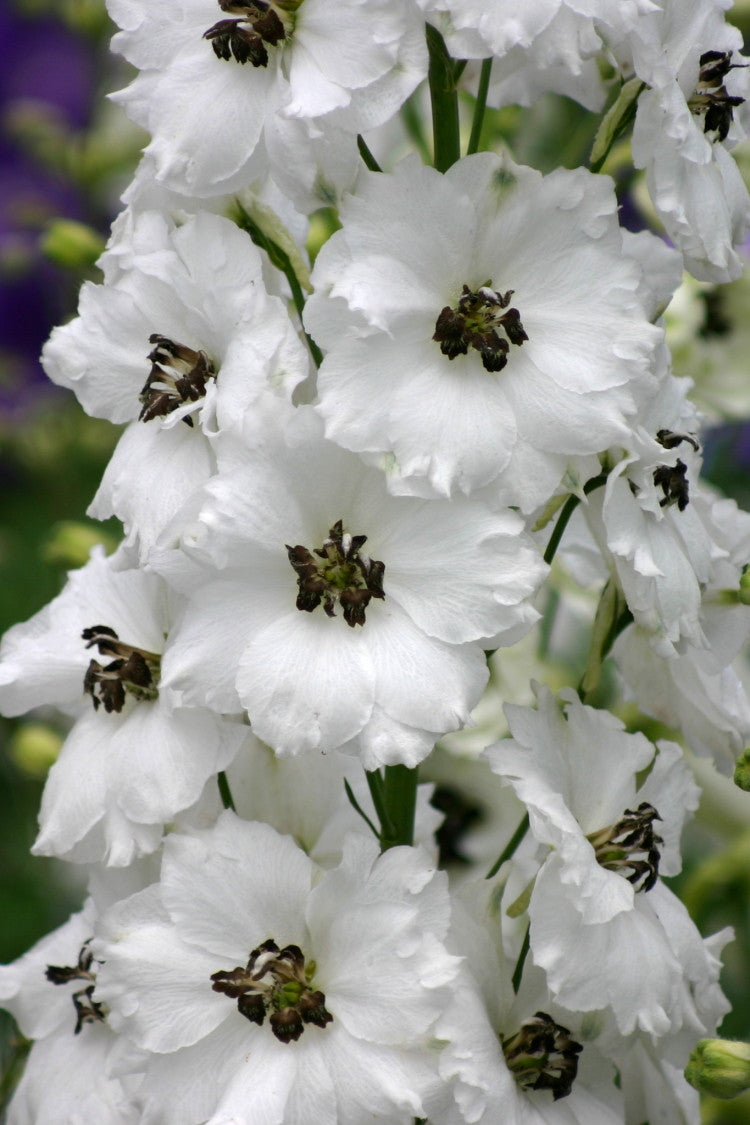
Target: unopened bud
(742, 771)
(719, 1067)
(70, 543)
(71, 244)
(34, 747)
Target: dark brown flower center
(87, 1009)
(476, 322)
(278, 981)
(631, 844)
(672, 479)
(252, 28)
(710, 99)
(178, 374)
(337, 572)
(134, 670)
(543, 1056)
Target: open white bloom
(696, 690)
(134, 758)
(605, 929)
(336, 615)
(475, 29)
(656, 541)
(519, 1059)
(480, 327)
(50, 992)
(221, 83)
(269, 992)
(685, 122)
(131, 238)
(181, 342)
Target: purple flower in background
(46, 83)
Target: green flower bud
(71, 244)
(744, 590)
(742, 771)
(719, 1067)
(69, 544)
(34, 747)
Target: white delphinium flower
(228, 89)
(650, 534)
(696, 690)
(270, 992)
(134, 757)
(183, 341)
(336, 615)
(50, 992)
(477, 30)
(306, 798)
(517, 1058)
(685, 122)
(481, 326)
(605, 929)
(537, 47)
(132, 239)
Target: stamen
(474, 323)
(134, 670)
(276, 981)
(672, 479)
(543, 1056)
(631, 843)
(674, 484)
(710, 98)
(337, 572)
(245, 38)
(87, 1009)
(178, 375)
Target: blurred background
(66, 154)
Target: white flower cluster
(341, 492)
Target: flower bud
(70, 542)
(742, 771)
(719, 1067)
(34, 747)
(71, 244)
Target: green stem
(377, 792)
(568, 508)
(281, 260)
(366, 155)
(547, 623)
(225, 792)
(444, 100)
(518, 971)
(510, 847)
(401, 804)
(479, 108)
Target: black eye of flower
(710, 98)
(87, 1009)
(278, 981)
(475, 321)
(245, 37)
(542, 1055)
(178, 374)
(134, 671)
(631, 843)
(338, 572)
